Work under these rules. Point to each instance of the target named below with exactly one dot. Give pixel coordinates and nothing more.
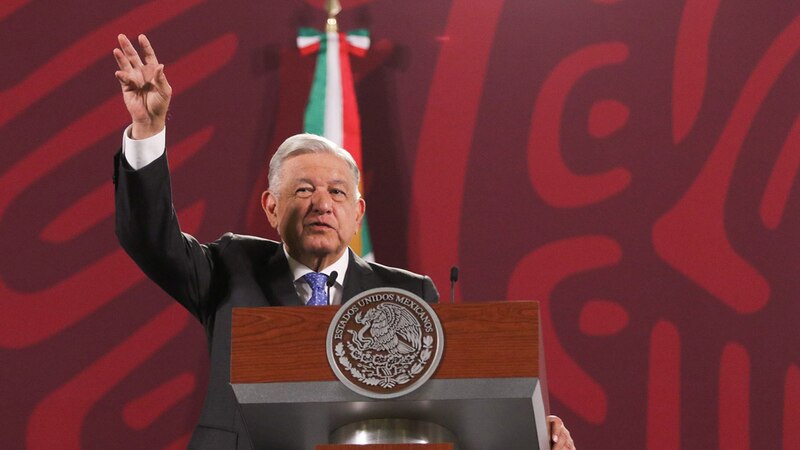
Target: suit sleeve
(147, 228)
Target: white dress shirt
(141, 152)
(304, 289)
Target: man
(312, 201)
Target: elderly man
(312, 201)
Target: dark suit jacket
(211, 279)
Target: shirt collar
(339, 266)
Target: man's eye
(303, 192)
(338, 193)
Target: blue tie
(317, 281)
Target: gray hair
(301, 144)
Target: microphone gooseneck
(331, 281)
(453, 279)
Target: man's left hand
(559, 434)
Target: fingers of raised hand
(147, 50)
(132, 73)
(122, 61)
(160, 80)
(122, 77)
(127, 76)
(129, 53)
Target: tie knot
(316, 280)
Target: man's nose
(321, 201)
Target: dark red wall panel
(630, 164)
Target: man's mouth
(318, 225)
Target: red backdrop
(630, 164)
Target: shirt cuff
(141, 152)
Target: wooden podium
(489, 389)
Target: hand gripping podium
(488, 392)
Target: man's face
(315, 210)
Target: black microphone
(331, 281)
(453, 279)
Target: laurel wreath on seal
(388, 381)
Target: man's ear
(270, 204)
(361, 208)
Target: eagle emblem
(388, 327)
(385, 343)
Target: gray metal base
(501, 414)
(391, 431)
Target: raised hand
(145, 89)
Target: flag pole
(333, 7)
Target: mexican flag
(332, 110)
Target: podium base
(386, 447)
(391, 431)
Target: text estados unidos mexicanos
(382, 297)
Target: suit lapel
(277, 282)
(360, 278)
